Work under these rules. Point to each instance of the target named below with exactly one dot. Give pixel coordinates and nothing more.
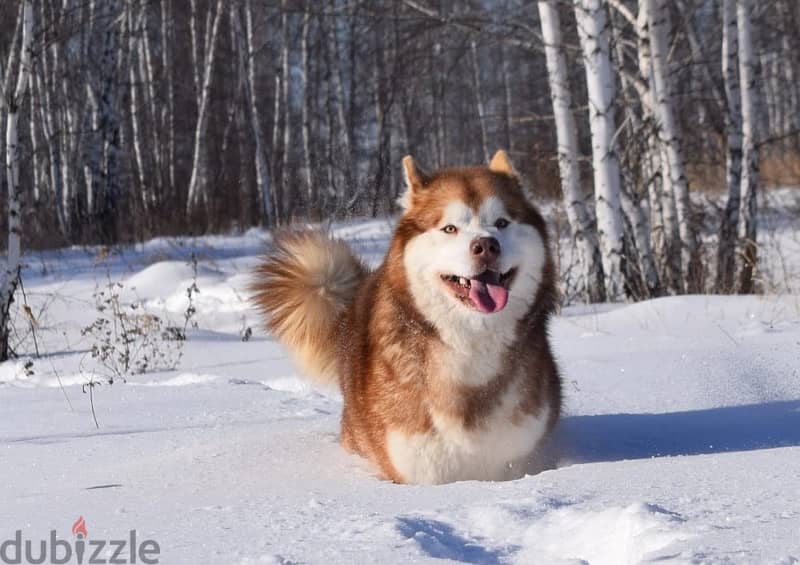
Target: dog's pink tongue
(488, 298)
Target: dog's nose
(485, 247)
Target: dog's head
(474, 249)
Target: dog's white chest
(450, 452)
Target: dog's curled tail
(302, 287)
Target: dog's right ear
(416, 179)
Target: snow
(680, 441)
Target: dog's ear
(500, 163)
(416, 179)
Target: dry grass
(781, 169)
(706, 177)
(776, 169)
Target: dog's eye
(501, 223)
(449, 228)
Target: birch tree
(576, 202)
(12, 100)
(262, 169)
(729, 225)
(747, 84)
(668, 134)
(636, 193)
(197, 193)
(343, 137)
(311, 188)
(593, 34)
(168, 109)
(479, 99)
(665, 238)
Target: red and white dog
(442, 353)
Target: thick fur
(434, 391)
(303, 288)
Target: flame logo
(79, 527)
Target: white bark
(198, 183)
(729, 226)
(593, 34)
(481, 105)
(306, 116)
(668, 134)
(91, 167)
(438, 84)
(345, 141)
(636, 200)
(262, 170)
(576, 202)
(276, 141)
(197, 50)
(168, 109)
(507, 99)
(747, 229)
(663, 231)
(35, 148)
(151, 104)
(46, 116)
(790, 96)
(772, 87)
(135, 107)
(66, 148)
(12, 103)
(286, 99)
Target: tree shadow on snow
(613, 437)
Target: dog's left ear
(415, 178)
(500, 163)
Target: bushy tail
(302, 287)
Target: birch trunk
(196, 50)
(668, 134)
(311, 190)
(382, 101)
(71, 147)
(109, 127)
(747, 84)
(35, 148)
(46, 117)
(507, 99)
(437, 74)
(198, 183)
(12, 104)
(481, 105)
(135, 107)
(276, 147)
(168, 110)
(344, 141)
(262, 170)
(576, 203)
(664, 231)
(791, 96)
(636, 199)
(729, 225)
(286, 101)
(150, 103)
(91, 167)
(593, 34)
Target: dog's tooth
(463, 281)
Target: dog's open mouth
(486, 292)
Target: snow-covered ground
(680, 443)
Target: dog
(441, 353)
